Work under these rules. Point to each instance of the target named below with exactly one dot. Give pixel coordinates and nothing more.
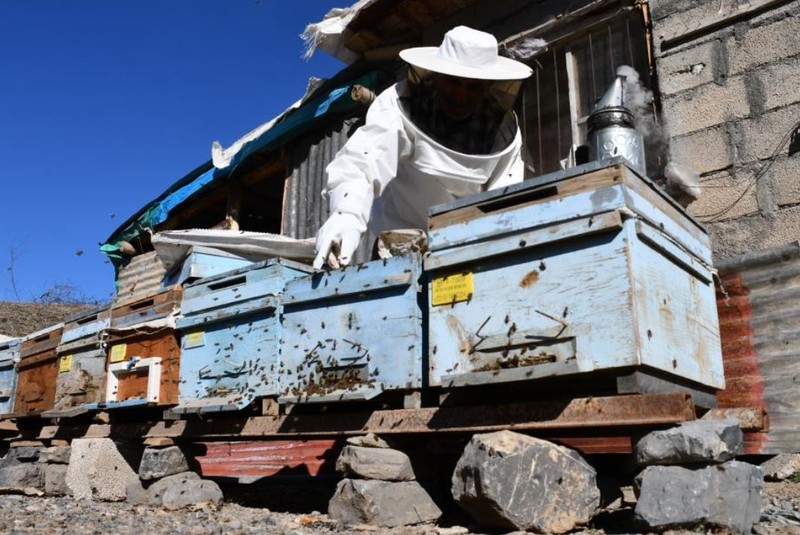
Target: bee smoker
(611, 129)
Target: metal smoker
(611, 129)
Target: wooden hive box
(9, 356)
(81, 376)
(143, 352)
(37, 371)
(230, 328)
(589, 270)
(354, 333)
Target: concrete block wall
(729, 82)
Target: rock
(368, 441)
(191, 492)
(55, 455)
(55, 480)
(726, 495)
(22, 475)
(513, 481)
(157, 490)
(781, 466)
(98, 469)
(382, 503)
(161, 462)
(698, 441)
(374, 463)
(135, 493)
(25, 453)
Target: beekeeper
(445, 132)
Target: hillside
(19, 319)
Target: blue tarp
(293, 125)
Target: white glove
(339, 235)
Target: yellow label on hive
(194, 339)
(451, 288)
(65, 363)
(118, 353)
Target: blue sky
(106, 103)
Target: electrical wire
(711, 218)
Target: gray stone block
(781, 466)
(161, 462)
(157, 490)
(382, 503)
(136, 494)
(22, 475)
(191, 492)
(726, 495)
(25, 453)
(367, 441)
(98, 469)
(374, 463)
(55, 455)
(698, 441)
(55, 480)
(512, 481)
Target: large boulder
(374, 463)
(55, 480)
(162, 462)
(382, 503)
(781, 467)
(177, 491)
(727, 495)
(22, 475)
(55, 455)
(99, 468)
(697, 441)
(512, 481)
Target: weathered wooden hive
(9, 356)
(355, 332)
(81, 375)
(592, 269)
(231, 332)
(143, 351)
(37, 370)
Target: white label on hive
(452, 288)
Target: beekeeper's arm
(359, 173)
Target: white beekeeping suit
(390, 171)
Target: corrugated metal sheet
(304, 208)
(759, 313)
(141, 277)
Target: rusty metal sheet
(268, 457)
(596, 413)
(757, 299)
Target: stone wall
(729, 82)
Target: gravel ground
(61, 516)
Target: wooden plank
(596, 413)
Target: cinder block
(754, 233)
(705, 151)
(764, 44)
(781, 82)
(786, 175)
(686, 69)
(720, 197)
(762, 135)
(704, 107)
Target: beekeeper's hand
(339, 235)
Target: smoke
(639, 100)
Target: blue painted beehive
(81, 376)
(230, 336)
(203, 262)
(353, 333)
(589, 269)
(9, 356)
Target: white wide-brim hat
(466, 53)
